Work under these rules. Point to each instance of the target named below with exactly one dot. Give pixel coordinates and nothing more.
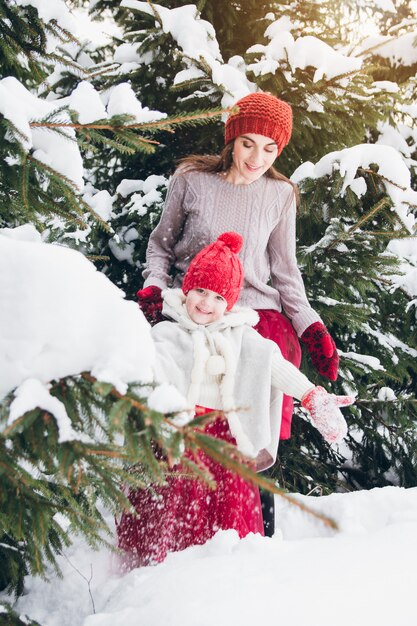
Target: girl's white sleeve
(288, 379)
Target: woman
(241, 191)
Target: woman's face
(252, 156)
(204, 306)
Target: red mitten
(325, 414)
(150, 303)
(322, 350)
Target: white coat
(226, 363)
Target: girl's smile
(204, 306)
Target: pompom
(232, 240)
(215, 365)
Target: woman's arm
(160, 252)
(285, 275)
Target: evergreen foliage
(30, 187)
(355, 297)
(23, 43)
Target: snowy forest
(99, 100)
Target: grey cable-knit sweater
(201, 206)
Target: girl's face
(204, 306)
(253, 155)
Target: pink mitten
(325, 414)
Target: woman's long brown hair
(215, 164)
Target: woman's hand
(150, 303)
(322, 350)
(325, 414)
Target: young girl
(212, 354)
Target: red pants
(273, 325)
(186, 511)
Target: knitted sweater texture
(201, 206)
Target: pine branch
(61, 33)
(106, 227)
(382, 204)
(381, 177)
(198, 116)
(14, 131)
(24, 184)
(61, 179)
(155, 12)
(116, 394)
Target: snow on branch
(350, 161)
(300, 53)
(46, 128)
(196, 39)
(51, 10)
(63, 317)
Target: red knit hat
(218, 268)
(263, 114)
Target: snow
(95, 32)
(387, 155)
(385, 5)
(157, 400)
(59, 317)
(20, 107)
(143, 193)
(406, 250)
(229, 79)
(399, 50)
(122, 100)
(386, 85)
(306, 574)
(60, 151)
(386, 394)
(358, 186)
(366, 360)
(197, 41)
(391, 166)
(396, 137)
(32, 394)
(300, 53)
(191, 33)
(87, 102)
(101, 202)
(51, 10)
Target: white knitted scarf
(218, 360)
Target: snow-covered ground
(362, 575)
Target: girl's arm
(285, 275)
(288, 379)
(160, 252)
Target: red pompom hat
(263, 114)
(218, 268)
